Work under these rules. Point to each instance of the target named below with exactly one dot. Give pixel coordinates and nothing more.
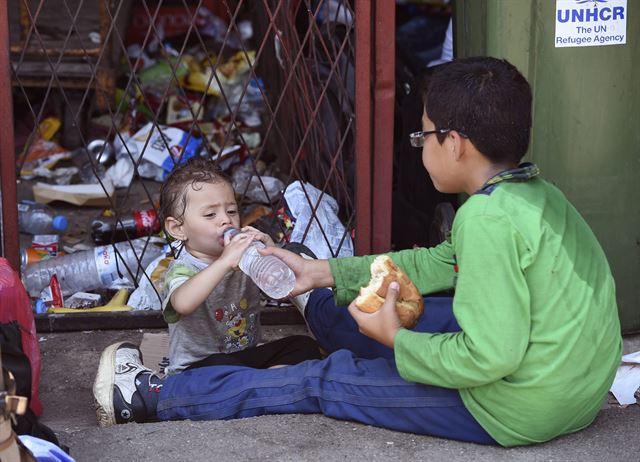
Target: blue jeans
(358, 381)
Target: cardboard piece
(77, 194)
(155, 351)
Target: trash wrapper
(326, 237)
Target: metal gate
(276, 91)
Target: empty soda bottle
(140, 223)
(268, 272)
(35, 218)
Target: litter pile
(175, 99)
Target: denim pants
(358, 381)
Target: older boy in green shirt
(524, 352)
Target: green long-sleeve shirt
(535, 298)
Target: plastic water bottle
(34, 218)
(101, 267)
(271, 274)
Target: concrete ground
(69, 362)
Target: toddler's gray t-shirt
(228, 321)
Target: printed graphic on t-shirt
(239, 329)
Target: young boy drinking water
(213, 311)
(524, 352)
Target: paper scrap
(627, 380)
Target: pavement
(69, 363)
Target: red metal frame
(10, 236)
(375, 93)
(363, 127)
(383, 99)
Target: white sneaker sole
(103, 386)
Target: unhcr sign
(590, 23)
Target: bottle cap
(40, 306)
(60, 223)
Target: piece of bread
(409, 304)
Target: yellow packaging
(49, 127)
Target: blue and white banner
(590, 23)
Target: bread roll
(409, 304)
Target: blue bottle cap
(40, 306)
(60, 223)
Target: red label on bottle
(52, 295)
(146, 222)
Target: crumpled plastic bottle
(109, 266)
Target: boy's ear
(174, 227)
(458, 144)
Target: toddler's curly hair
(173, 193)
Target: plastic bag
(44, 450)
(337, 242)
(263, 189)
(15, 306)
(150, 291)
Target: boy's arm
(491, 305)
(430, 269)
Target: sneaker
(124, 390)
(300, 301)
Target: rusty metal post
(9, 218)
(25, 22)
(363, 127)
(384, 94)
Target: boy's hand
(258, 235)
(310, 274)
(384, 324)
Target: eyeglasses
(417, 138)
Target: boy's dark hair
(173, 193)
(487, 100)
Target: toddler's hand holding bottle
(235, 245)
(268, 272)
(258, 235)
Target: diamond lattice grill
(264, 87)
